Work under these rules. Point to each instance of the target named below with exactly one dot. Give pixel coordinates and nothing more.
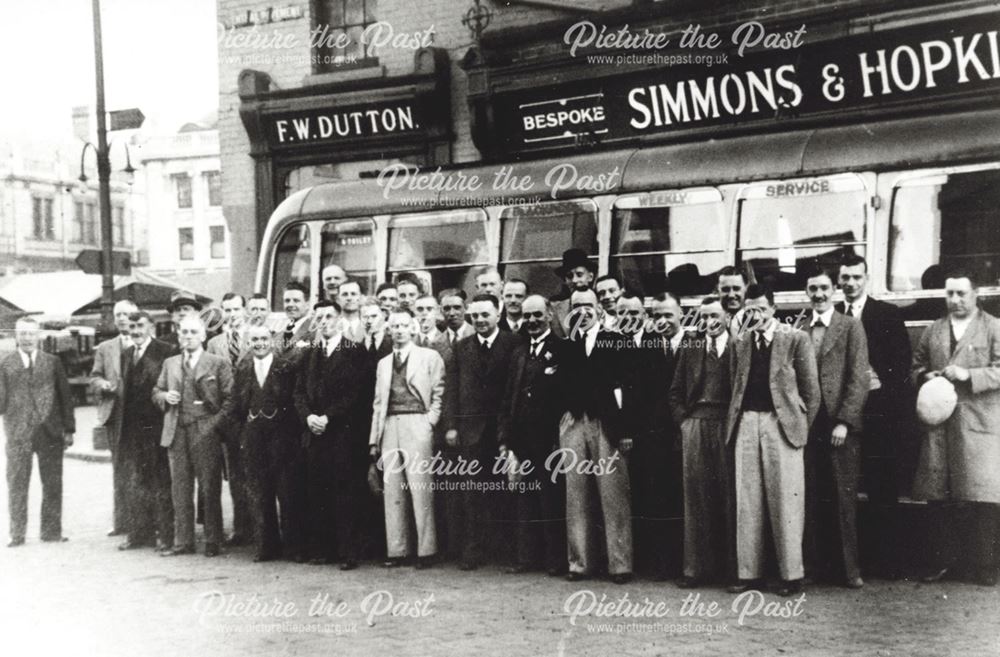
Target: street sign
(127, 119)
(89, 261)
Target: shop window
(350, 244)
(118, 225)
(185, 243)
(217, 240)
(43, 223)
(535, 236)
(670, 240)
(292, 262)
(338, 34)
(213, 182)
(182, 187)
(788, 226)
(440, 250)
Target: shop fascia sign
(264, 16)
(946, 59)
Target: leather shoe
(54, 539)
(742, 585)
(468, 565)
(686, 582)
(392, 562)
(573, 576)
(790, 587)
(128, 544)
(423, 563)
(986, 577)
(16, 542)
(556, 571)
(349, 565)
(261, 557)
(115, 532)
(854, 583)
(212, 549)
(621, 578)
(177, 551)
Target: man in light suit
(888, 410)
(775, 396)
(147, 467)
(959, 467)
(833, 453)
(105, 381)
(37, 411)
(477, 374)
(233, 344)
(195, 392)
(409, 386)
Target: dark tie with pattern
(234, 347)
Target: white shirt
(959, 325)
(331, 344)
(590, 337)
(375, 339)
(768, 333)
(261, 366)
(637, 338)
(490, 338)
(140, 349)
(823, 318)
(537, 342)
(28, 359)
(720, 343)
(675, 342)
(126, 341)
(191, 357)
(857, 307)
(402, 352)
(514, 324)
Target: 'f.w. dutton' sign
(342, 124)
(942, 60)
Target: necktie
(536, 348)
(850, 310)
(259, 366)
(397, 359)
(713, 352)
(135, 355)
(451, 337)
(818, 331)
(485, 346)
(234, 347)
(31, 363)
(188, 360)
(289, 332)
(370, 342)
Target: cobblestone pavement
(86, 598)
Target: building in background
(188, 237)
(47, 215)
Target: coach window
(535, 236)
(670, 240)
(440, 250)
(292, 262)
(351, 245)
(786, 226)
(941, 222)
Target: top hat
(573, 258)
(182, 298)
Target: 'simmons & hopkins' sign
(945, 60)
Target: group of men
(587, 424)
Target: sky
(159, 56)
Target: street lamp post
(104, 181)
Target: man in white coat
(959, 467)
(409, 387)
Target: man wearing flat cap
(959, 467)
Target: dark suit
(146, 465)
(475, 382)
(655, 460)
(37, 409)
(235, 472)
(372, 506)
(832, 472)
(888, 418)
(336, 460)
(529, 427)
(504, 325)
(590, 430)
(263, 420)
